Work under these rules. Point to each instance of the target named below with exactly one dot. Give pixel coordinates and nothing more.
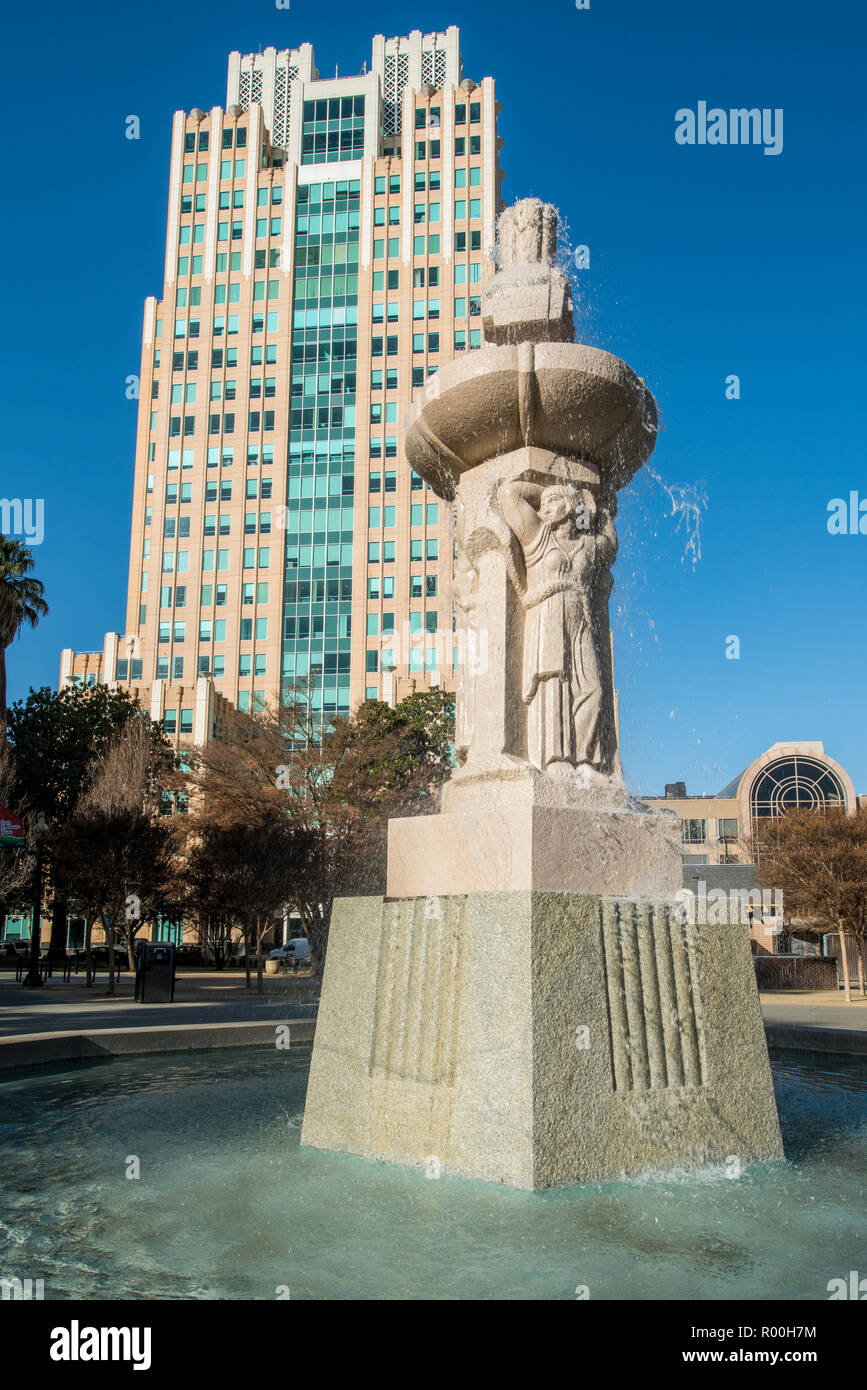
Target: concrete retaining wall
(797, 1036)
(36, 1049)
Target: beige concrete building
(326, 244)
(789, 776)
(717, 859)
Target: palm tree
(21, 602)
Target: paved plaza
(201, 997)
(211, 997)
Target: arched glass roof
(796, 783)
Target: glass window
(796, 783)
(694, 832)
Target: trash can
(155, 972)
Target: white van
(297, 948)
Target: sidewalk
(815, 1008)
(212, 997)
(201, 997)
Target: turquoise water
(229, 1206)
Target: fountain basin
(229, 1206)
(568, 398)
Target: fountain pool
(229, 1206)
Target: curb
(808, 1038)
(37, 1049)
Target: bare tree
(114, 853)
(242, 872)
(819, 860)
(331, 792)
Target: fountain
(526, 1005)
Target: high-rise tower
(326, 245)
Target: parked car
(13, 951)
(99, 955)
(191, 955)
(297, 949)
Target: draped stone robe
(562, 684)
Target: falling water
(688, 503)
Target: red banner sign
(11, 828)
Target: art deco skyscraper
(326, 245)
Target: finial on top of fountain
(527, 233)
(529, 300)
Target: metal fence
(831, 948)
(795, 972)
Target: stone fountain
(527, 1005)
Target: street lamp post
(388, 684)
(33, 978)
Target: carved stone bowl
(575, 400)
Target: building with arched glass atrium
(715, 829)
(788, 777)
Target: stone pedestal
(512, 828)
(538, 1039)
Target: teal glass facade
(317, 595)
(332, 130)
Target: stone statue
(452, 1034)
(531, 438)
(566, 568)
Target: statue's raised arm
(519, 503)
(606, 538)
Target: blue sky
(704, 261)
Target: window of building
(694, 832)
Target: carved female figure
(565, 567)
